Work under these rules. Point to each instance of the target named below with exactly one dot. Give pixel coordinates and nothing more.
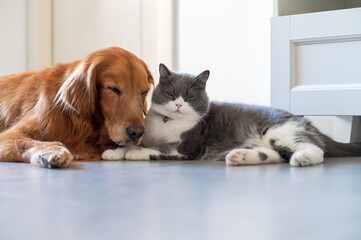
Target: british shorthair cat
(183, 124)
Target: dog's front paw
(114, 154)
(50, 155)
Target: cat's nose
(135, 132)
(178, 105)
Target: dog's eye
(116, 90)
(144, 93)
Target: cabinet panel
(328, 63)
(321, 26)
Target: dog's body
(73, 110)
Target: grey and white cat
(183, 124)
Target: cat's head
(181, 95)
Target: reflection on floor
(181, 200)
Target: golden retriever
(74, 110)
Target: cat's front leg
(141, 154)
(116, 154)
(306, 154)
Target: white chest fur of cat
(166, 123)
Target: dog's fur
(73, 111)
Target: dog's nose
(135, 132)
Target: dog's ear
(150, 76)
(147, 97)
(145, 103)
(78, 92)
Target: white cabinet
(316, 64)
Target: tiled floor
(181, 200)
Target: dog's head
(114, 84)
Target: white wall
(231, 38)
(13, 40)
(83, 26)
(141, 27)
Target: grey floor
(181, 200)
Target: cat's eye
(189, 98)
(115, 90)
(170, 95)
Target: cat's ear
(163, 71)
(202, 78)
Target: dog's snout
(135, 132)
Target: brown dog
(73, 110)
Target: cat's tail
(338, 149)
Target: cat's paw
(300, 159)
(236, 157)
(305, 158)
(135, 154)
(113, 154)
(141, 154)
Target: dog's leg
(45, 154)
(16, 145)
